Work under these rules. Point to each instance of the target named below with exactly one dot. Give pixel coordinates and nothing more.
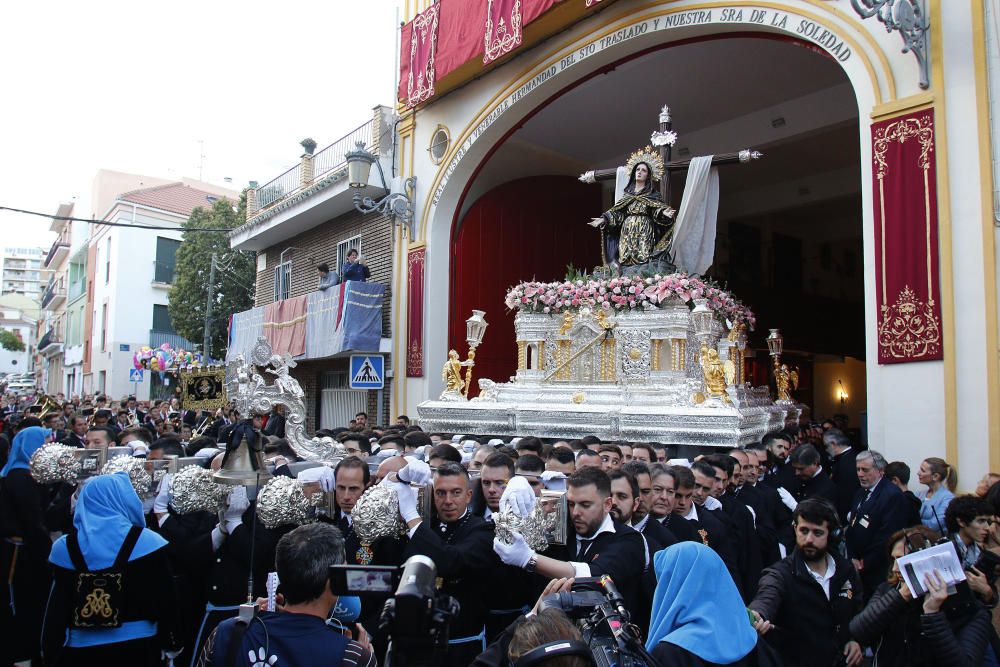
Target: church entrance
(789, 236)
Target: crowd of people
(782, 552)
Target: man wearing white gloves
(598, 545)
(459, 543)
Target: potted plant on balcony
(309, 145)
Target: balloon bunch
(164, 358)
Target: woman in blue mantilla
(639, 227)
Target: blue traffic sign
(135, 375)
(367, 371)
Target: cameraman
(459, 544)
(537, 628)
(298, 634)
(599, 545)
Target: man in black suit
(777, 446)
(664, 498)
(742, 489)
(135, 414)
(812, 479)
(77, 436)
(842, 469)
(597, 546)
(693, 491)
(879, 510)
(460, 544)
(741, 517)
(657, 535)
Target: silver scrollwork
(909, 18)
(250, 394)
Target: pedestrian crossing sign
(367, 371)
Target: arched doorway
(790, 227)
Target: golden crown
(650, 156)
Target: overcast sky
(134, 86)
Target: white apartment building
(127, 274)
(21, 272)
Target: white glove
(238, 504)
(407, 501)
(787, 498)
(517, 554)
(322, 474)
(138, 448)
(554, 480)
(518, 497)
(415, 472)
(163, 494)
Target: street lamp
(775, 343)
(398, 205)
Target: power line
(69, 218)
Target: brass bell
(243, 464)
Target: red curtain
(503, 29)
(523, 230)
(415, 313)
(906, 239)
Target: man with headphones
(805, 602)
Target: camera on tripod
(415, 618)
(599, 610)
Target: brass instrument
(199, 430)
(48, 405)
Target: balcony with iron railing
(316, 184)
(50, 343)
(58, 251)
(54, 295)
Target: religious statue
(736, 333)
(783, 380)
(636, 232)
(452, 376)
(283, 381)
(716, 374)
(567, 323)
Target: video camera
(599, 610)
(415, 619)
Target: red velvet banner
(906, 239)
(423, 48)
(415, 313)
(503, 29)
(460, 34)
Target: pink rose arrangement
(626, 293)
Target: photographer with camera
(804, 602)
(297, 634)
(598, 545)
(458, 542)
(936, 630)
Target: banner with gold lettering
(503, 29)
(415, 313)
(423, 48)
(906, 239)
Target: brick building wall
(314, 247)
(319, 245)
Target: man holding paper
(879, 510)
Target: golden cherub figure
(715, 373)
(567, 323)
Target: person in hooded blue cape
(24, 548)
(110, 533)
(698, 617)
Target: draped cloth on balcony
(244, 330)
(285, 326)
(346, 317)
